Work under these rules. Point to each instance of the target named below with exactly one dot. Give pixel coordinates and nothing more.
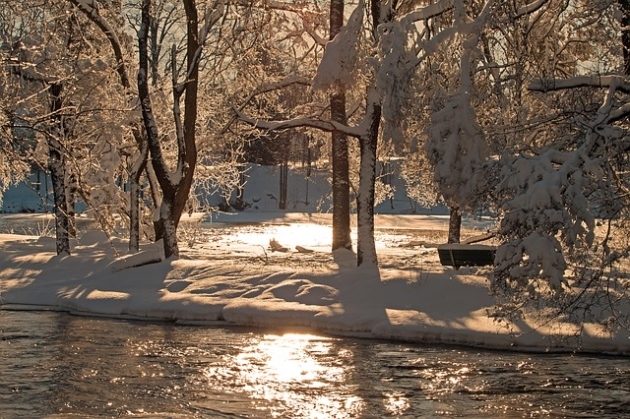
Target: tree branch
(328, 126)
(264, 88)
(530, 8)
(90, 9)
(547, 85)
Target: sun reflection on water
(297, 373)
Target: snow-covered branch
(90, 9)
(547, 85)
(268, 87)
(530, 8)
(323, 125)
(429, 11)
(339, 63)
(302, 8)
(264, 88)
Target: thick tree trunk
(340, 178)
(57, 167)
(166, 230)
(455, 225)
(341, 181)
(366, 247)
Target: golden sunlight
(302, 235)
(297, 373)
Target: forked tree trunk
(175, 185)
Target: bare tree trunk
(340, 178)
(284, 184)
(455, 225)
(366, 247)
(71, 197)
(57, 167)
(175, 186)
(239, 200)
(134, 198)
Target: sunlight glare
(304, 235)
(289, 236)
(295, 373)
(396, 403)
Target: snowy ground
(229, 273)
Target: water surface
(56, 365)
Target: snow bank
(418, 302)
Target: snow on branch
(429, 11)
(268, 87)
(286, 6)
(264, 88)
(547, 85)
(530, 8)
(327, 126)
(339, 62)
(90, 9)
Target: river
(55, 365)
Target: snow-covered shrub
(548, 220)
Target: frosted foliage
(339, 63)
(99, 176)
(393, 76)
(458, 150)
(536, 256)
(11, 172)
(382, 192)
(548, 201)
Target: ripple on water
(65, 366)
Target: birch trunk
(57, 167)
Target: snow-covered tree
(562, 184)
(63, 81)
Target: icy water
(57, 366)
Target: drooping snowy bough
(565, 215)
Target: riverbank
(228, 274)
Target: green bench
(458, 255)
